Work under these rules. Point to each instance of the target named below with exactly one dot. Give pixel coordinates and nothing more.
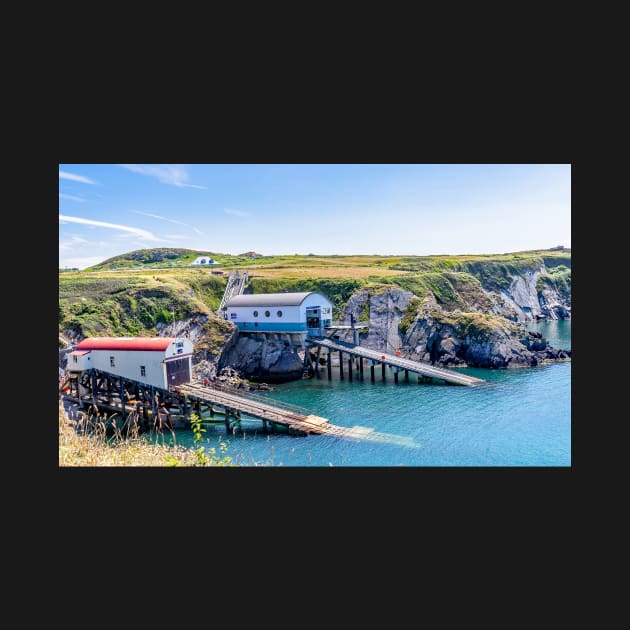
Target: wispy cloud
(237, 213)
(75, 178)
(71, 242)
(157, 216)
(71, 197)
(144, 234)
(174, 174)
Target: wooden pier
(375, 357)
(103, 393)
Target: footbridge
(375, 357)
(235, 286)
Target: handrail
(258, 398)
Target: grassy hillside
(117, 297)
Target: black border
(344, 135)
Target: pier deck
(376, 356)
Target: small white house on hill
(159, 361)
(204, 261)
(307, 312)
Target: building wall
(127, 362)
(83, 362)
(293, 318)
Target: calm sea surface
(519, 417)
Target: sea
(517, 417)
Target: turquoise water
(519, 417)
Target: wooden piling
(329, 365)
(395, 376)
(341, 365)
(383, 370)
(350, 369)
(372, 372)
(361, 367)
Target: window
(112, 362)
(75, 359)
(179, 344)
(255, 313)
(143, 370)
(279, 313)
(267, 313)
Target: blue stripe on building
(274, 326)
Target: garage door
(178, 371)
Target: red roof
(125, 343)
(78, 353)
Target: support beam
(372, 372)
(94, 388)
(329, 365)
(383, 370)
(341, 365)
(406, 376)
(395, 375)
(361, 367)
(122, 399)
(350, 368)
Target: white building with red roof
(159, 361)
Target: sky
(386, 209)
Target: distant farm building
(159, 361)
(307, 312)
(206, 261)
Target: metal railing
(258, 398)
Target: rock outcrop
(476, 340)
(523, 301)
(423, 330)
(382, 311)
(264, 359)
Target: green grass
(133, 301)
(558, 278)
(96, 306)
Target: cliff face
(528, 299)
(383, 312)
(264, 359)
(422, 329)
(460, 339)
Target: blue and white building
(308, 313)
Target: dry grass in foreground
(93, 449)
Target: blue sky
(415, 209)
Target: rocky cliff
(533, 296)
(422, 329)
(264, 359)
(474, 339)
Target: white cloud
(71, 197)
(75, 178)
(237, 213)
(144, 234)
(71, 242)
(157, 216)
(174, 174)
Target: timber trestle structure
(107, 394)
(356, 355)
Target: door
(177, 371)
(313, 321)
